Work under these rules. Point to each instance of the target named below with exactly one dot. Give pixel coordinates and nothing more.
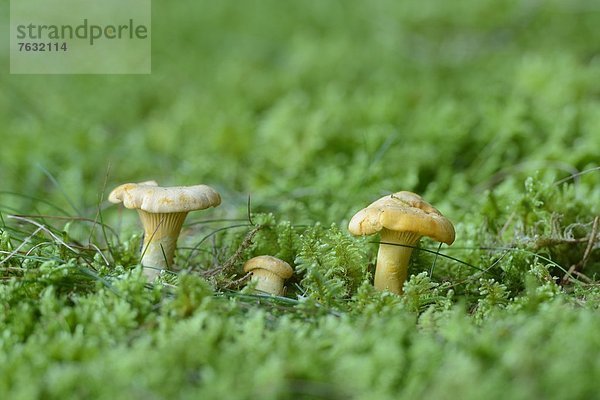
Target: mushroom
(402, 219)
(162, 211)
(269, 273)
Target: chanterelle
(402, 219)
(162, 211)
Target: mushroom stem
(160, 240)
(392, 260)
(267, 281)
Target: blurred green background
(316, 107)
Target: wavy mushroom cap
(270, 263)
(403, 212)
(150, 197)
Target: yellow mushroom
(269, 273)
(401, 219)
(162, 211)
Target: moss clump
(299, 114)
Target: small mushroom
(269, 273)
(402, 219)
(162, 211)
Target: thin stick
(197, 245)
(586, 255)
(247, 242)
(249, 206)
(238, 282)
(45, 229)
(15, 251)
(435, 259)
(573, 176)
(435, 252)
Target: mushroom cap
(270, 263)
(403, 212)
(150, 197)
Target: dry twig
(227, 265)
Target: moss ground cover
(301, 113)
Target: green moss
(311, 110)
